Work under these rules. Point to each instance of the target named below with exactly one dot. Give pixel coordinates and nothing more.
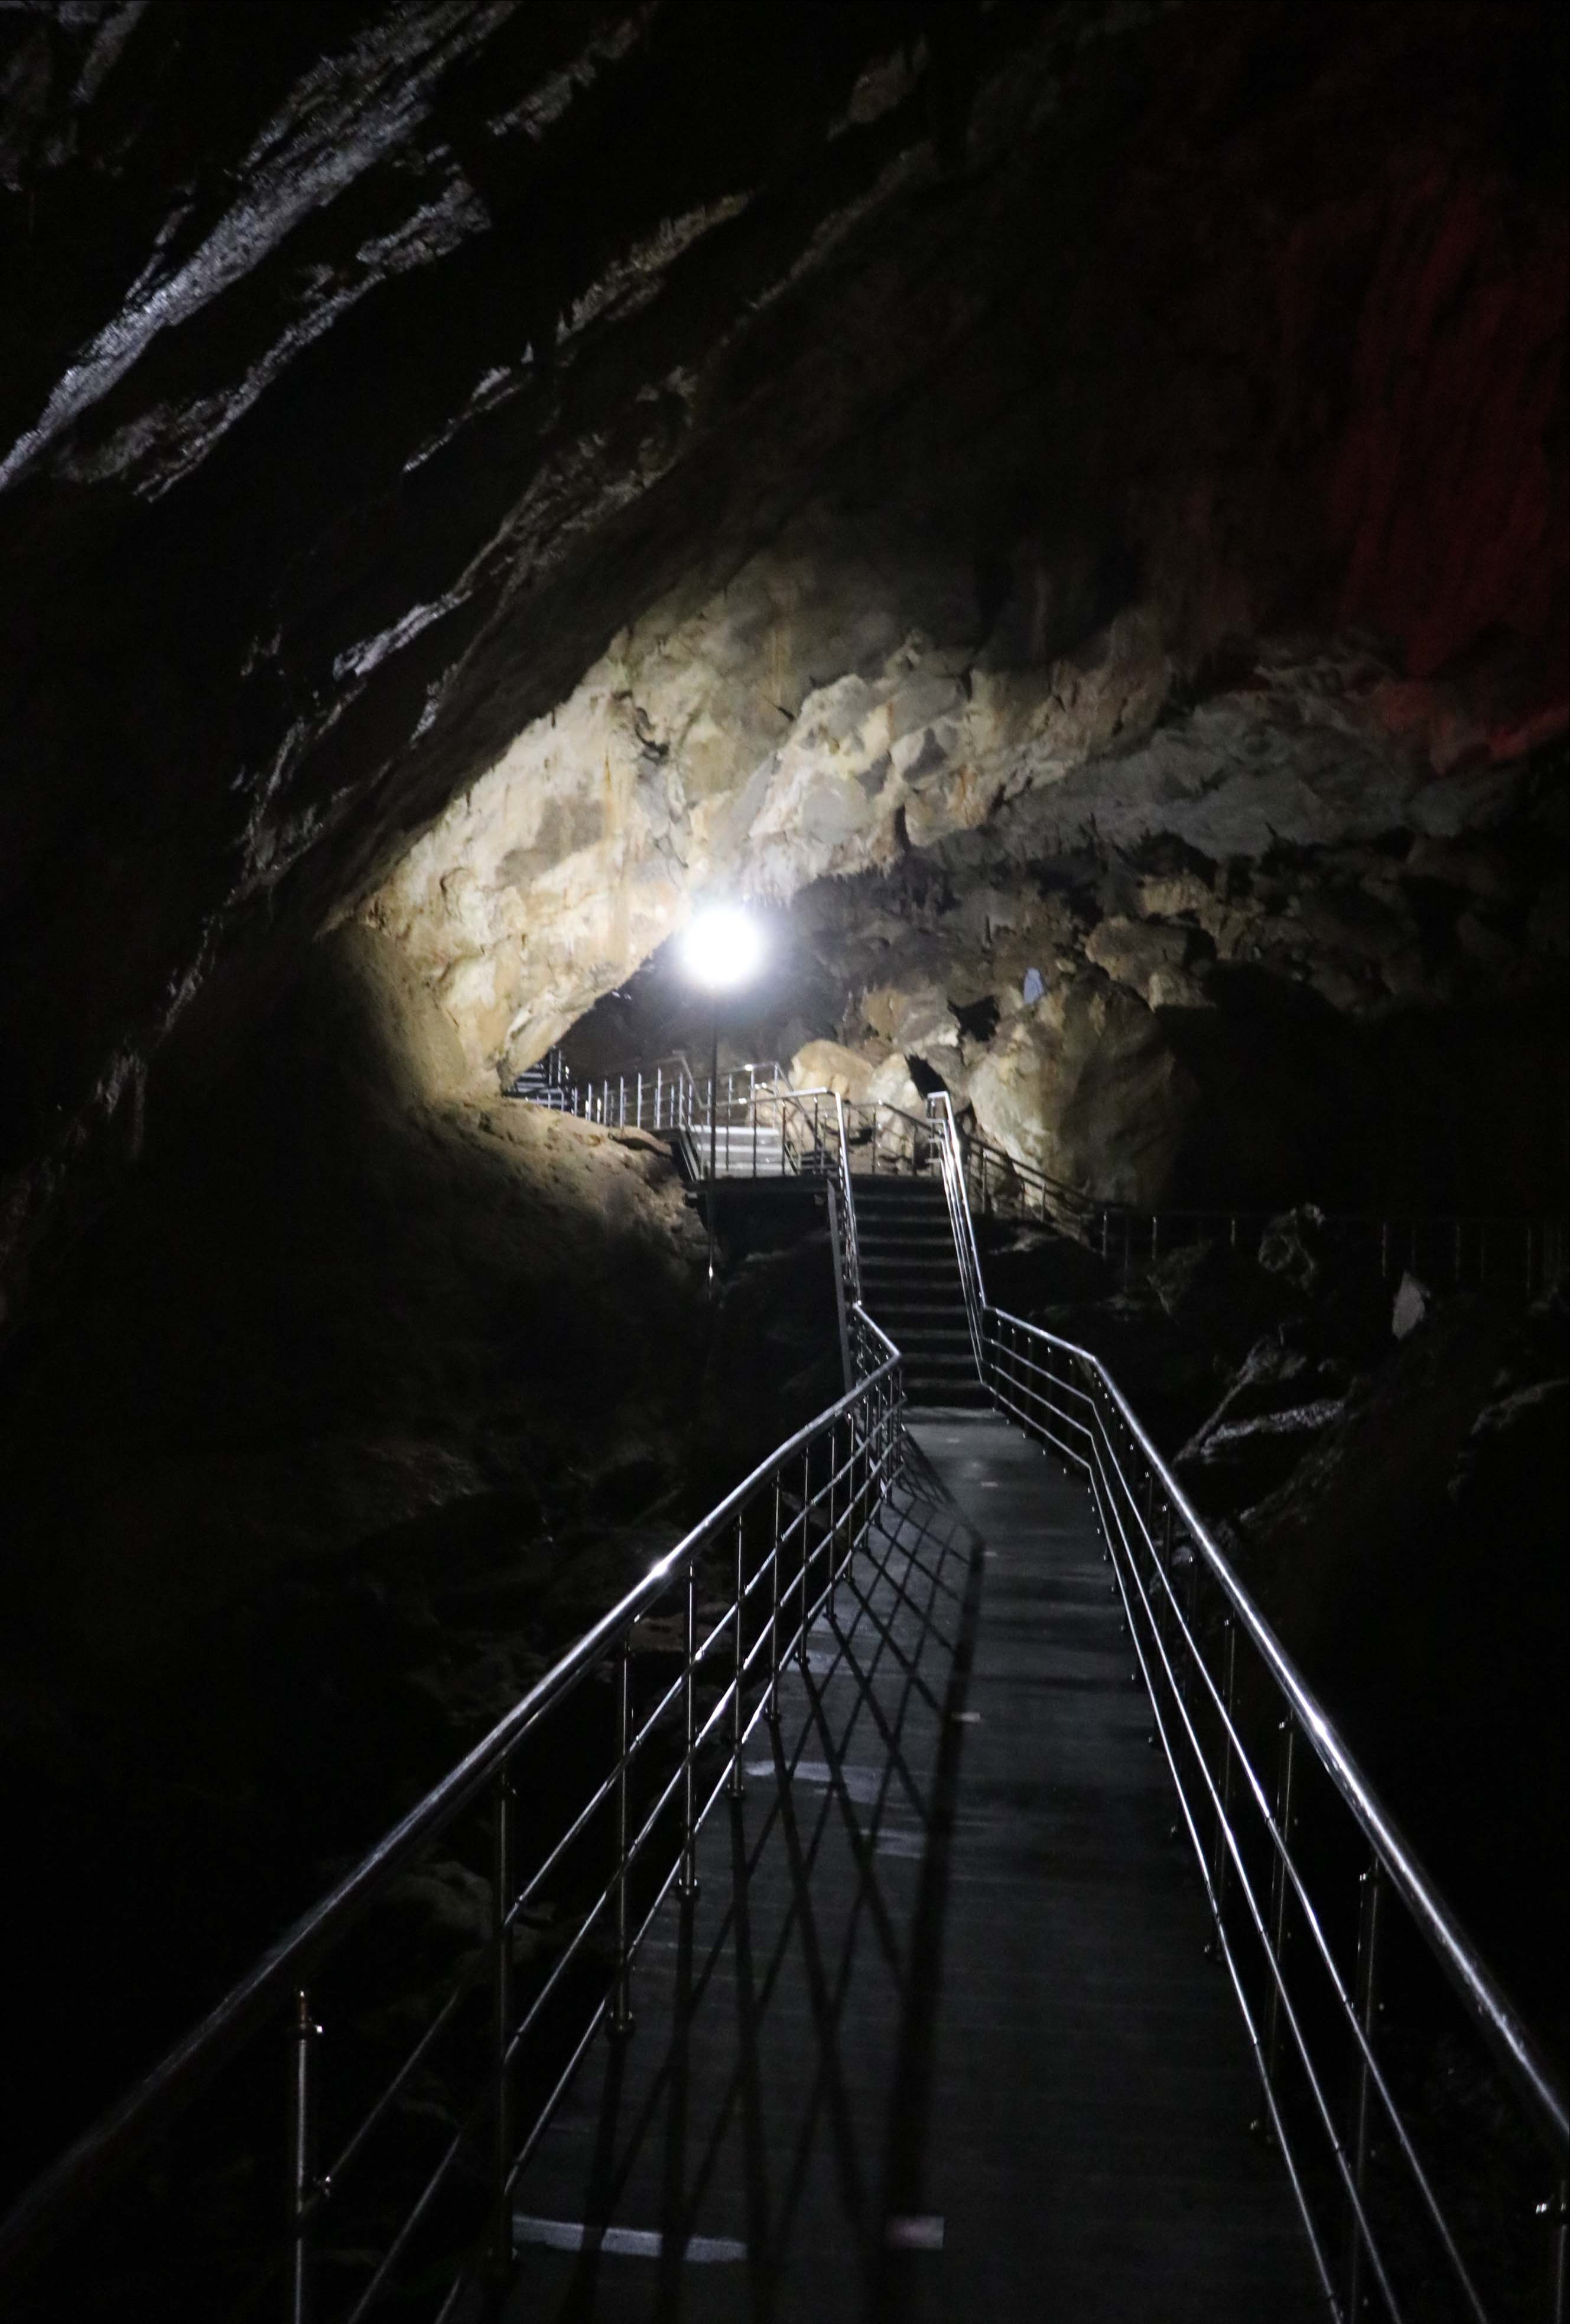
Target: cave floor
(937, 2038)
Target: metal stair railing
(664, 1095)
(350, 2218)
(1329, 1928)
(813, 1142)
(951, 1164)
(1452, 1250)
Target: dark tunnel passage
(1056, 519)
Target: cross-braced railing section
(345, 2134)
(663, 1095)
(1427, 2140)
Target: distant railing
(1446, 1252)
(1449, 1252)
(414, 2033)
(1363, 2000)
(666, 1095)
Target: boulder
(1413, 1301)
(1232, 1464)
(1085, 1087)
(1152, 957)
(830, 1064)
(1293, 1247)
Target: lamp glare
(722, 947)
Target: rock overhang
(1120, 370)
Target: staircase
(911, 1281)
(750, 1149)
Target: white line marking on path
(623, 2242)
(924, 2232)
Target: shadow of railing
(821, 1909)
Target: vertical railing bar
(774, 1611)
(1228, 1770)
(686, 1882)
(301, 2137)
(620, 2021)
(1366, 2002)
(738, 1780)
(1278, 1887)
(501, 2255)
(806, 1553)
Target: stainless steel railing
(1306, 1877)
(1450, 1250)
(555, 1843)
(663, 1095)
(952, 1162)
(1352, 1974)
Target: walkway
(938, 2039)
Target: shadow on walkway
(759, 2145)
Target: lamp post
(721, 950)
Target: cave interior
(1063, 511)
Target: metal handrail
(952, 1162)
(663, 1094)
(1457, 1248)
(1443, 1931)
(1159, 1547)
(815, 1498)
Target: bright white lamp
(720, 950)
(722, 947)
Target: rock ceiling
(502, 468)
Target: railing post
(302, 2186)
(771, 1710)
(833, 1489)
(1557, 2212)
(1366, 2004)
(621, 2018)
(686, 1878)
(501, 2022)
(1220, 1857)
(738, 1782)
(805, 1551)
(1280, 1890)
